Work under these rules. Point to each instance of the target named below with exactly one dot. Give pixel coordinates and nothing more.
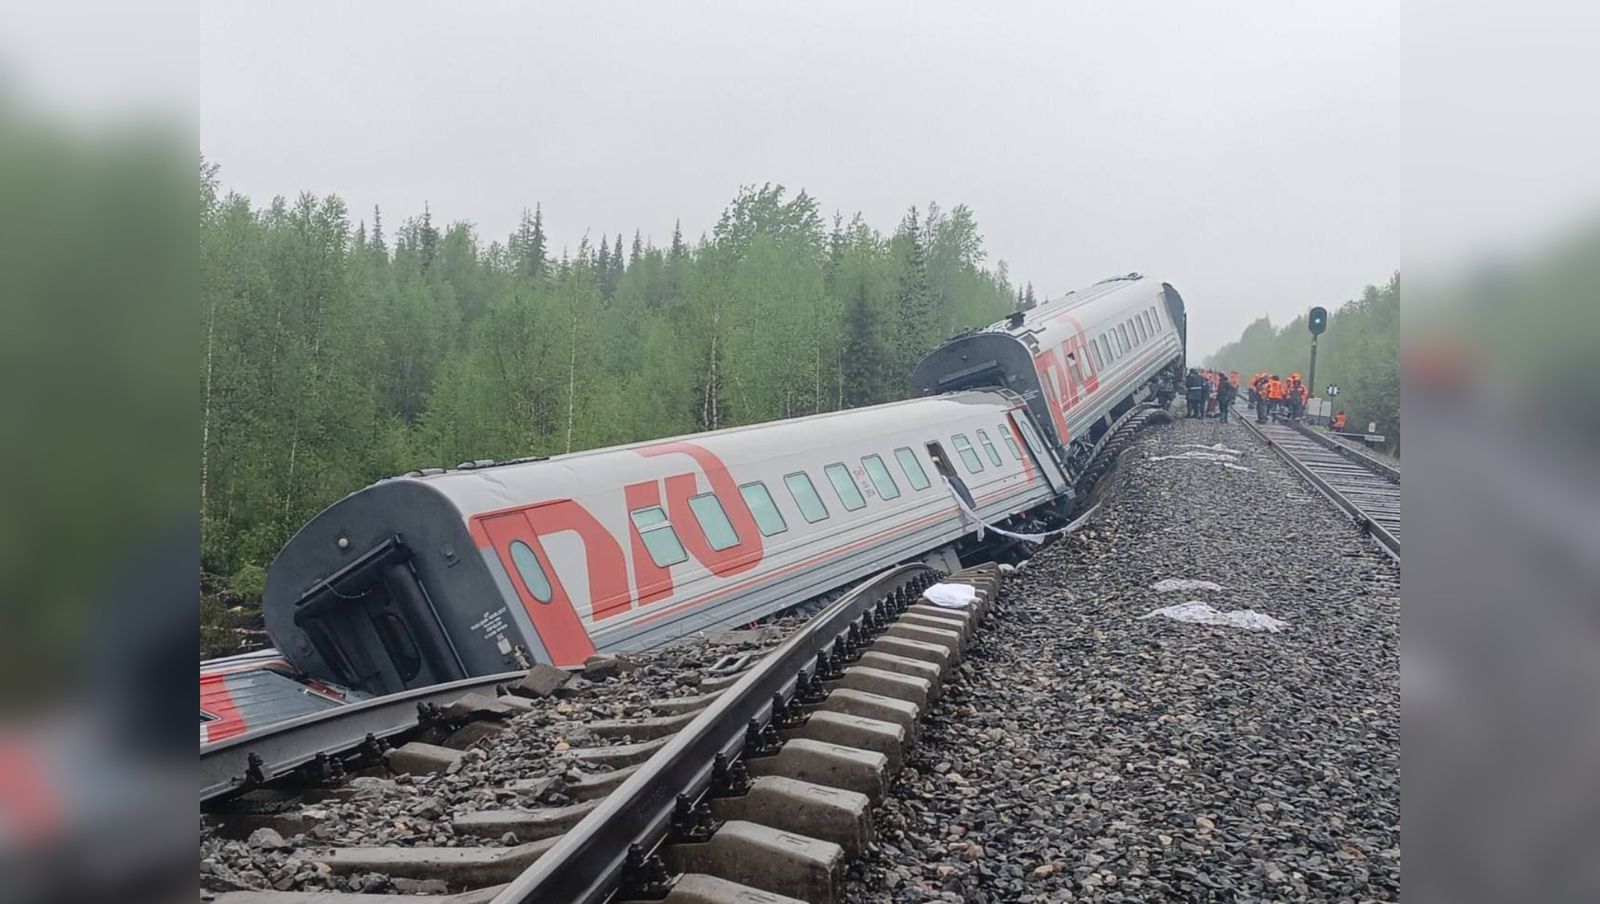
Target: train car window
(1155, 322)
(1139, 324)
(531, 572)
(714, 521)
(878, 472)
(1122, 330)
(766, 513)
(994, 454)
(1016, 451)
(658, 536)
(1094, 352)
(912, 468)
(805, 496)
(969, 456)
(845, 486)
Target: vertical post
(1311, 372)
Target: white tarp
(1218, 447)
(1174, 585)
(981, 526)
(1196, 456)
(951, 596)
(1202, 614)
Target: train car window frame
(1122, 332)
(719, 517)
(988, 446)
(524, 560)
(1029, 435)
(1094, 352)
(844, 486)
(886, 487)
(968, 455)
(765, 504)
(1011, 442)
(911, 466)
(812, 495)
(1155, 314)
(658, 531)
(1138, 324)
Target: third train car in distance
(485, 568)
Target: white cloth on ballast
(1202, 614)
(951, 596)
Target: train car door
(1047, 464)
(539, 589)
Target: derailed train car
(487, 567)
(1079, 361)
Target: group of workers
(1270, 393)
(1211, 393)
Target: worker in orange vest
(1275, 394)
(1294, 395)
(1339, 420)
(1258, 393)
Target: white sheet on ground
(1202, 614)
(1174, 585)
(951, 596)
(1197, 456)
(1213, 448)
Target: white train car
(488, 567)
(431, 577)
(1078, 361)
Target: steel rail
(1364, 459)
(1381, 534)
(586, 866)
(243, 761)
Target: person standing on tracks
(1194, 392)
(1292, 396)
(1226, 391)
(1274, 398)
(1339, 420)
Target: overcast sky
(1245, 152)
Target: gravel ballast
(1089, 754)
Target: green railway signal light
(1317, 321)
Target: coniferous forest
(342, 347)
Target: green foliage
(1360, 352)
(332, 361)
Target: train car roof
(487, 486)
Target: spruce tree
(428, 238)
(535, 252)
(377, 232)
(915, 328)
(637, 251)
(1028, 301)
(678, 250)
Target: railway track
(1365, 487)
(757, 790)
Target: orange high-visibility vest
(1275, 390)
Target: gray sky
(1245, 152)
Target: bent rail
(256, 757)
